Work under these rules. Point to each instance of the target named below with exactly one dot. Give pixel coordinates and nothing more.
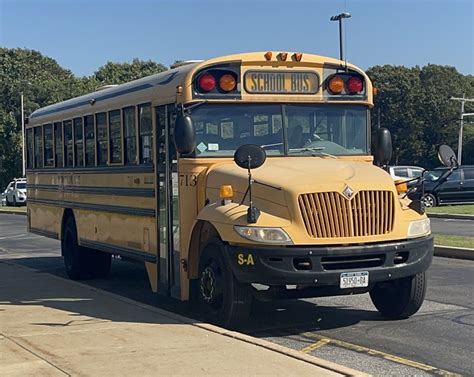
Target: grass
(14, 209)
(467, 209)
(456, 241)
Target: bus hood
(292, 176)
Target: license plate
(354, 279)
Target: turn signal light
(336, 85)
(207, 82)
(401, 186)
(226, 192)
(227, 83)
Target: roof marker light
(297, 56)
(283, 56)
(268, 55)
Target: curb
(12, 212)
(450, 216)
(328, 365)
(454, 252)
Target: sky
(82, 35)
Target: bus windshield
(289, 129)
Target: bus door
(168, 203)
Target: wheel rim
(429, 201)
(211, 285)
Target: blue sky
(82, 35)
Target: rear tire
(221, 298)
(75, 259)
(401, 298)
(14, 202)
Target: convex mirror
(447, 156)
(250, 156)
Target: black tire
(75, 257)
(98, 263)
(430, 200)
(14, 202)
(220, 297)
(401, 298)
(7, 202)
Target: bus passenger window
(102, 145)
(78, 139)
(90, 140)
(58, 143)
(68, 147)
(130, 135)
(115, 137)
(29, 148)
(146, 137)
(38, 147)
(48, 145)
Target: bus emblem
(348, 192)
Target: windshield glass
(21, 185)
(281, 129)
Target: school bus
(249, 176)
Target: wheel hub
(208, 284)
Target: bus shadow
(130, 281)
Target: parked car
(15, 193)
(405, 173)
(3, 200)
(457, 189)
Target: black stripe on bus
(85, 102)
(95, 190)
(120, 250)
(145, 212)
(44, 233)
(98, 169)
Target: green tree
(118, 73)
(10, 149)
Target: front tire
(221, 298)
(401, 298)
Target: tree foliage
(415, 105)
(118, 73)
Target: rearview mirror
(250, 156)
(447, 156)
(383, 147)
(184, 135)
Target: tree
(118, 73)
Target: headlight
(266, 235)
(419, 228)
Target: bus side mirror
(184, 134)
(447, 156)
(382, 147)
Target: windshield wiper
(270, 145)
(314, 150)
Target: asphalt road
(347, 330)
(452, 226)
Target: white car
(15, 193)
(405, 173)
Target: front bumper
(322, 266)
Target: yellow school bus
(243, 177)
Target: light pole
(23, 165)
(463, 100)
(339, 18)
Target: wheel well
(203, 231)
(66, 215)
